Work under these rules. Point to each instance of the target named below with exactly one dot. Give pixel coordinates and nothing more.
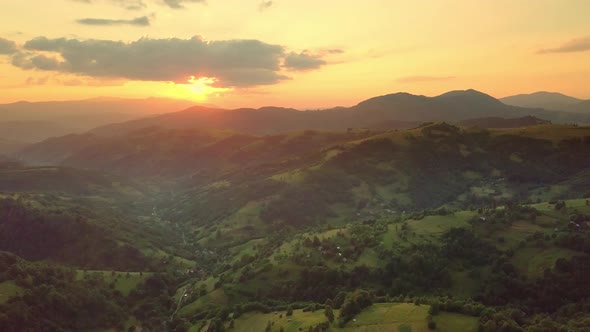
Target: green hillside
(442, 226)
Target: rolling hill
(503, 122)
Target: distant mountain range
(24, 122)
(394, 111)
(549, 101)
(35, 121)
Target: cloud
(127, 4)
(574, 45)
(335, 51)
(265, 5)
(139, 21)
(7, 46)
(179, 4)
(141, 4)
(303, 61)
(234, 63)
(419, 79)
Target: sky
(297, 53)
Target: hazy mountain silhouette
(393, 111)
(549, 101)
(32, 131)
(581, 107)
(34, 121)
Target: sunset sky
(304, 53)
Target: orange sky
(305, 54)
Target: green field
(390, 317)
(8, 289)
(258, 321)
(378, 317)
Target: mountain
(394, 111)
(549, 101)
(34, 121)
(503, 122)
(451, 106)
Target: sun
(198, 89)
(201, 86)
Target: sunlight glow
(198, 89)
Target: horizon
(312, 108)
(187, 49)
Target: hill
(15, 177)
(503, 122)
(180, 153)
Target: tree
(434, 309)
(329, 313)
(289, 311)
(431, 322)
(329, 302)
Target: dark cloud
(303, 61)
(7, 46)
(574, 45)
(265, 5)
(179, 4)
(235, 63)
(139, 21)
(418, 79)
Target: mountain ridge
(398, 109)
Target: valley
(438, 226)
